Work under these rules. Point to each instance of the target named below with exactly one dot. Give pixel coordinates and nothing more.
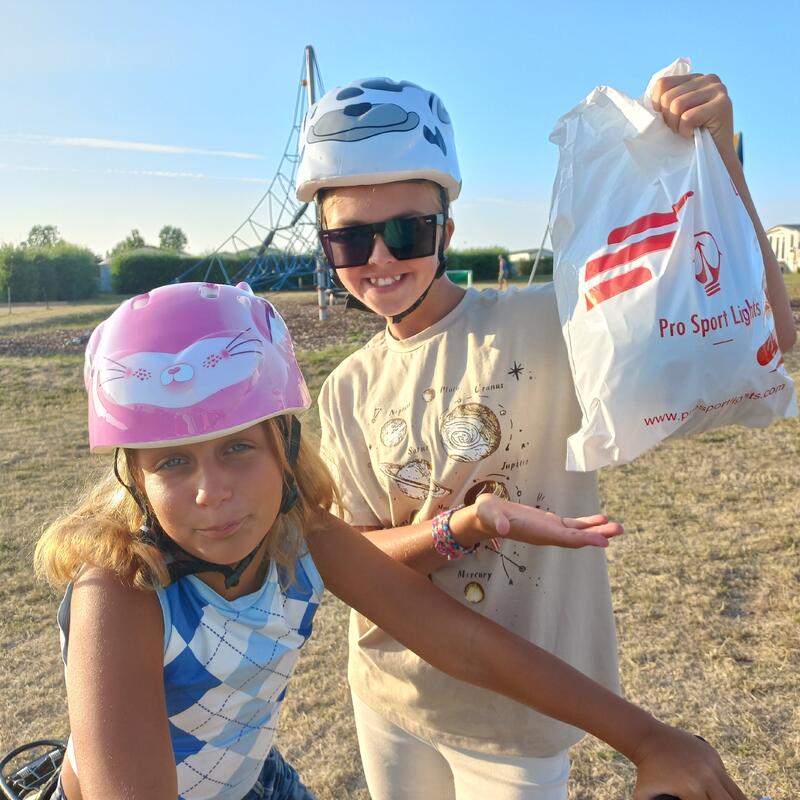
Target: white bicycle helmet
(376, 131)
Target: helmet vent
(210, 291)
(435, 138)
(348, 92)
(140, 302)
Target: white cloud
(164, 173)
(158, 173)
(149, 173)
(118, 144)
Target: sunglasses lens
(348, 247)
(413, 237)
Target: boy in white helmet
(465, 399)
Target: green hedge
(481, 260)
(61, 272)
(139, 271)
(523, 268)
(483, 263)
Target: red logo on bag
(768, 350)
(708, 259)
(639, 274)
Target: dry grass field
(706, 581)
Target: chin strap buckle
(354, 304)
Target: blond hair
(104, 529)
(325, 198)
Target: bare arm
(462, 643)
(487, 518)
(776, 289)
(692, 101)
(115, 688)
(472, 648)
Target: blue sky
(211, 87)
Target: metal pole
(539, 254)
(320, 273)
(310, 75)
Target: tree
(172, 238)
(132, 242)
(43, 236)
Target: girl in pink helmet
(465, 399)
(194, 570)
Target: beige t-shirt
(481, 401)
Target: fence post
(320, 276)
(320, 273)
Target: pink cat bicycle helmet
(189, 362)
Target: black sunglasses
(407, 237)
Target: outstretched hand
(503, 519)
(673, 763)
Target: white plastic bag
(660, 284)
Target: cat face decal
(187, 360)
(174, 380)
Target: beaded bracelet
(443, 541)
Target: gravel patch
(308, 333)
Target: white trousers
(401, 766)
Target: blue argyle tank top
(226, 667)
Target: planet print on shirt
(414, 479)
(470, 432)
(393, 432)
(474, 593)
(486, 487)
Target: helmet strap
(133, 491)
(290, 431)
(354, 304)
(440, 270)
(152, 533)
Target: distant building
(785, 243)
(522, 261)
(528, 255)
(104, 273)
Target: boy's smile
(384, 281)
